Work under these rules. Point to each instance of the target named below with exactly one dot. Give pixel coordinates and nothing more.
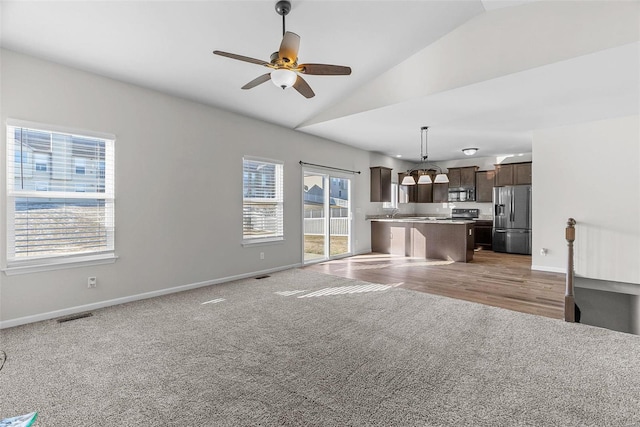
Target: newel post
(569, 300)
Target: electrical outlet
(261, 255)
(92, 282)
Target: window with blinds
(262, 200)
(60, 194)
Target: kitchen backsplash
(437, 209)
(445, 208)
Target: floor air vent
(262, 277)
(74, 317)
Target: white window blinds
(60, 194)
(262, 207)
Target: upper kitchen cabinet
(513, 174)
(462, 177)
(462, 184)
(484, 185)
(408, 191)
(522, 173)
(418, 193)
(380, 184)
(424, 192)
(454, 177)
(440, 192)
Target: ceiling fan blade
(289, 47)
(324, 70)
(258, 80)
(241, 58)
(303, 87)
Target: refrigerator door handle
(513, 214)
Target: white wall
(589, 172)
(178, 186)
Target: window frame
(278, 201)
(393, 204)
(11, 263)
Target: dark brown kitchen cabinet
(424, 192)
(462, 177)
(468, 177)
(504, 175)
(454, 176)
(513, 174)
(400, 236)
(418, 193)
(435, 192)
(425, 240)
(484, 186)
(380, 185)
(381, 237)
(391, 238)
(408, 190)
(440, 241)
(484, 234)
(522, 173)
(440, 192)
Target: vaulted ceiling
(479, 73)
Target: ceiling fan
(284, 63)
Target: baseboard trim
(607, 285)
(102, 304)
(549, 269)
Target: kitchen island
(424, 238)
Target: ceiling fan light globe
(469, 151)
(283, 78)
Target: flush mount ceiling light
(422, 167)
(469, 151)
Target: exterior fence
(315, 226)
(319, 213)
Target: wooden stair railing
(569, 300)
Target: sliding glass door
(327, 216)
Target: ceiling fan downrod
(282, 8)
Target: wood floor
(497, 279)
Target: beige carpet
(306, 349)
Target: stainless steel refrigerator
(512, 219)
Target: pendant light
(424, 178)
(408, 180)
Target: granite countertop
(423, 219)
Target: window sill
(263, 241)
(37, 266)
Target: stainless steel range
(468, 214)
